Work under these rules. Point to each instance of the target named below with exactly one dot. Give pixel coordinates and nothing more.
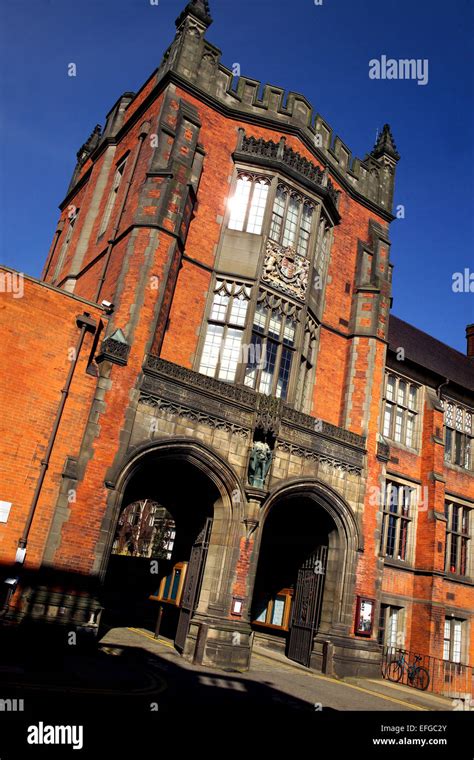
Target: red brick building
(245, 439)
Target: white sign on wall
(5, 507)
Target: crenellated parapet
(197, 61)
(193, 62)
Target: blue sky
(321, 51)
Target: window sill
(458, 578)
(458, 468)
(400, 564)
(402, 446)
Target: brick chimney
(470, 341)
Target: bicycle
(417, 675)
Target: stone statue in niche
(260, 461)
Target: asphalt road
(131, 687)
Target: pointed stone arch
(228, 509)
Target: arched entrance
(305, 569)
(166, 501)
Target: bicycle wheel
(394, 671)
(421, 679)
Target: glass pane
(457, 641)
(278, 608)
(210, 352)
(405, 500)
(449, 415)
(453, 554)
(410, 429)
(458, 448)
(278, 212)
(284, 373)
(263, 616)
(459, 419)
(402, 393)
(393, 497)
(390, 387)
(257, 208)
(305, 229)
(260, 318)
(402, 548)
(387, 421)
(167, 587)
(274, 328)
(291, 221)
(448, 445)
(468, 422)
(455, 518)
(230, 354)
(238, 311)
(253, 360)
(238, 204)
(174, 590)
(465, 521)
(412, 400)
(219, 307)
(398, 425)
(391, 532)
(446, 649)
(289, 332)
(463, 557)
(266, 377)
(392, 628)
(303, 241)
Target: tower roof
(385, 145)
(198, 8)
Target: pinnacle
(198, 8)
(385, 145)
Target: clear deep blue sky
(320, 51)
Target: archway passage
(159, 547)
(291, 590)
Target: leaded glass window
(221, 353)
(292, 217)
(273, 345)
(400, 410)
(247, 206)
(458, 434)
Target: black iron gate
(307, 606)
(192, 584)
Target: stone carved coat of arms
(286, 270)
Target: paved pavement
(130, 663)
(130, 687)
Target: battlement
(197, 62)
